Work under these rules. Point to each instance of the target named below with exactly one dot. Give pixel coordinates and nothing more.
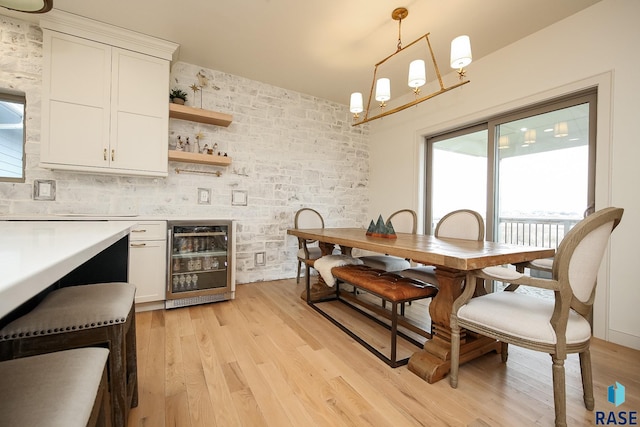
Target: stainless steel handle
(138, 245)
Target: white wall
(595, 47)
(289, 150)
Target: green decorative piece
(380, 229)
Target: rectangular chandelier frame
(417, 101)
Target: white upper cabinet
(104, 103)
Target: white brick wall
(289, 150)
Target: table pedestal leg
(433, 362)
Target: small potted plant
(178, 96)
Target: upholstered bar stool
(60, 389)
(84, 316)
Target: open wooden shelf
(199, 115)
(203, 159)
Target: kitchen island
(34, 255)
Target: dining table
(453, 260)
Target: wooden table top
(456, 254)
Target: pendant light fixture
(460, 58)
(27, 6)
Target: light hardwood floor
(267, 359)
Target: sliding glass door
(529, 173)
(457, 176)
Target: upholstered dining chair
(557, 326)
(459, 224)
(403, 221)
(544, 265)
(308, 250)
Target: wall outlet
(204, 196)
(260, 259)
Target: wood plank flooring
(267, 359)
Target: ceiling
(322, 48)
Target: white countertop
(35, 254)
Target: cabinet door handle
(138, 245)
(113, 154)
(104, 154)
(141, 230)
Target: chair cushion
(385, 262)
(74, 307)
(543, 263)
(502, 273)
(425, 273)
(314, 252)
(55, 389)
(522, 316)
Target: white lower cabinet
(148, 260)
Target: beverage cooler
(200, 268)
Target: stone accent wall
(289, 150)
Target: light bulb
(460, 52)
(383, 89)
(417, 74)
(356, 103)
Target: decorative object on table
(380, 229)
(195, 88)
(178, 96)
(460, 58)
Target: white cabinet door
(104, 108)
(147, 270)
(76, 101)
(148, 260)
(139, 112)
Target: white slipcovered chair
(558, 326)
(403, 221)
(459, 224)
(544, 265)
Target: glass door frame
(491, 125)
(589, 96)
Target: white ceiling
(325, 48)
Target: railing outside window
(539, 232)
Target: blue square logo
(616, 394)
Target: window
(12, 138)
(457, 176)
(538, 166)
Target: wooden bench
(390, 287)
